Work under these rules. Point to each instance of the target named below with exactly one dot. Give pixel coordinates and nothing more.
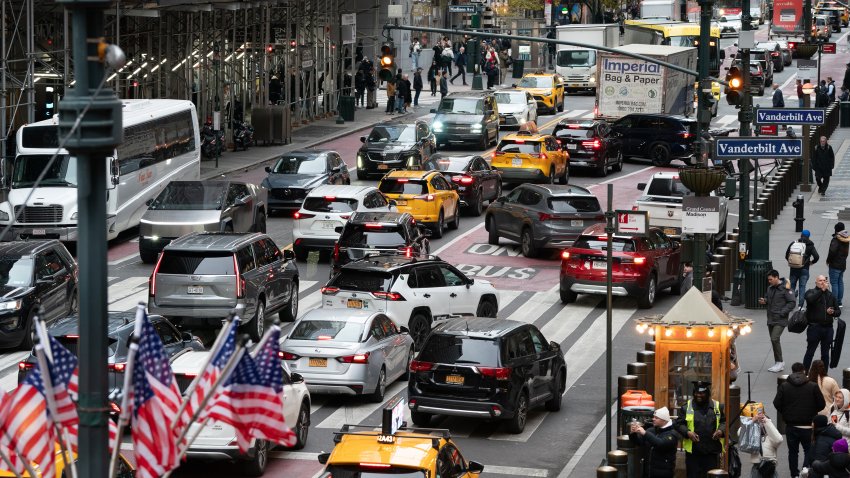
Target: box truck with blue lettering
(630, 85)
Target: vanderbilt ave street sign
(755, 147)
(810, 116)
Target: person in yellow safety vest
(702, 422)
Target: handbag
(735, 467)
(749, 440)
(767, 468)
(798, 322)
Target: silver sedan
(348, 352)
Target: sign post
(631, 222)
(700, 214)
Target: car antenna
(467, 326)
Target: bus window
(27, 167)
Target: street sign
(810, 116)
(395, 11)
(753, 147)
(828, 49)
(462, 9)
(805, 65)
(769, 130)
(701, 214)
(631, 222)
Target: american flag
(251, 399)
(17, 466)
(210, 375)
(156, 400)
(28, 424)
(63, 378)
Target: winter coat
(432, 73)
(460, 59)
(359, 81)
(822, 442)
(417, 81)
(837, 465)
(444, 85)
(771, 439)
(828, 386)
(811, 255)
(798, 400)
(840, 417)
(778, 99)
(660, 444)
(823, 160)
(705, 424)
(780, 303)
(817, 301)
(839, 247)
(846, 82)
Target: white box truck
(631, 85)
(576, 64)
(660, 9)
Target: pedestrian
(415, 50)
(371, 86)
(830, 88)
(687, 277)
(836, 260)
(845, 94)
(359, 88)
(391, 96)
(827, 385)
(433, 74)
(789, 131)
(701, 423)
(839, 414)
(837, 465)
(448, 57)
(765, 459)
(798, 401)
(780, 302)
(460, 62)
(401, 91)
(846, 82)
(778, 99)
(824, 435)
(800, 255)
(408, 89)
(660, 442)
(823, 161)
(444, 85)
(821, 310)
(800, 94)
(821, 96)
(417, 85)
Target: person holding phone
(821, 311)
(660, 442)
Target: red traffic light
(292, 43)
(269, 48)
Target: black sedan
(396, 145)
(591, 144)
(476, 181)
(296, 173)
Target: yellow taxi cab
(394, 450)
(845, 12)
(427, 195)
(546, 88)
(527, 156)
(715, 92)
(124, 468)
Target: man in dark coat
(823, 161)
(433, 77)
(444, 84)
(821, 311)
(780, 302)
(778, 99)
(417, 85)
(460, 62)
(798, 400)
(837, 465)
(660, 442)
(846, 82)
(701, 423)
(836, 260)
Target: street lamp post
(808, 89)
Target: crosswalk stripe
(532, 423)
(568, 319)
(126, 294)
(310, 302)
(591, 345)
(306, 285)
(536, 305)
(726, 119)
(506, 297)
(357, 413)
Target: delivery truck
(631, 85)
(577, 64)
(661, 9)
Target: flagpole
(21, 456)
(63, 438)
(238, 352)
(8, 462)
(124, 416)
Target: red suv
(642, 265)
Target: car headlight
(593, 78)
(411, 161)
(11, 305)
(521, 120)
(437, 126)
(4, 216)
(476, 127)
(359, 161)
(73, 217)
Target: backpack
(796, 253)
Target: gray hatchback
(201, 277)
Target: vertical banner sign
(787, 17)
(349, 28)
(630, 86)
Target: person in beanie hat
(771, 439)
(701, 423)
(836, 260)
(824, 435)
(660, 442)
(799, 273)
(837, 465)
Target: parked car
(217, 440)
(661, 138)
(547, 89)
(327, 208)
(348, 352)
(33, 274)
(427, 195)
(370, 233)
(758, 82)
(642, 265)
(476, 181)
(469, 118)
(730, 25)
(201, 277)
(486, 368)
(396, 145)
(527, 156)
(296, 173)
(516, 108)
(415, 292)
(196, 206)
(787, 53)
(591, 144)
(763, 58)
(774, 51)
(542, 216)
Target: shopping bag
(749, 440)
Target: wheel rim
(620, 160)
(526, 242)
(417, 328)
(479, 205)
(521, 411)
(303, 425)
(262, 453)
(651, 292)
(382, 382)
(440, 223)
(659, 154)
(293, 304)
(261, 319)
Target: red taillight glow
(417, 366)
(324, 337)
(288, 355)
(565, 255)
(356, 358)
(502, 373)
(686, 135)
(544, 216)
(329, 290)
(408, 251)
(240, 284)
(336, 252)
(373, 225)
(392, 296)
(402, 180)
(792, 45)
(375, 465)
(152, 280)
(775, 53)
(595, 144)
(117, 367)
(519, 141)
(345, 216)
(25, 365)
(539, 155)
(330, 198)
(573, 126)
(302, 215)
(72, 336)
(634, 208)
(463, 179)
(640, 260)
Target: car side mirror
(323, 458)
(289, 254)
(392, 203)
(242, 200)
(641, 186)
(554, 345)
(336, 169)
(470, 282)
(362, 139)
(475, 467)
(268, 169)
(149, 202)
(187, 337)
(404, 330)
(296, 377)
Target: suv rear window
(667, 187)
(567, 204)
(327, 330)
(519, 146)
(459, 349)
(403, 186)
(330, 204)
(364, 281)
(198, 263)
(575, 131)
(361, 235)
(352, 471)
(618, 244)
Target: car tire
(647, 299)
(529, 250)
(438, 228)
(498, 192)
(302, 427)
(410, 355)
(517, 423)
(301, 253)
(561, 106)
(676, 287)
(74, 302)
(478, 205)
(27, 341)
(565, 178)
(256, 326)
(761, 91)
(567, 296)
(290, 311)
(380, 388)
(228, 227)
(256, 466)
(554, 403)
(484, 141)
(487, 308)
(618, 166)
(420, 326)
(420, 419)
(148, 257)
(660, 155)
(602, 170)
(456, 221)
(261, 223)
(551, 179)
(492, 233)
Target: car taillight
(465, 179)
(152, 280)
(496, 153)
(501, 373)
(302, 215)
(634, 208)
(22, 366)
(240, 284)
(356, 358)
(638, 260)
(775, 53)
(595, 144)
(117, 367)
(565, 255)
(346, 217)
(417, 366)
(791, 45)
(543, 216)
(407, 251)
(392, 296)
(288, 355)
(329, 290)
(375, 465)
(336, 252)
(425, 197)
(686, 135)
(539, 155)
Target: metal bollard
(620, 461)
(717, 271)
(718, 473)
(735, 410)
(649, 346)
(845, 378)
(760, 209)
(769, 193)
(648, 357)
(606, 472)
(726, 252)
(635, 454)
(639, 370)
(780, 422)
(799, 217)
(624, 384)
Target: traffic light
(269, 49)
(735, 88)
(387, 62)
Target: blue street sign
(752, 147)
(790, 116)
(463, 8)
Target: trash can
(845, 114)
(519, 68)
(346, 108)
(639, 413)
(755, 284)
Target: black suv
(34, 273)
(486, 368)
(661, 138)
(371, 232)
(476, 181)
(591, 144)
(396, 145)
(467, 118)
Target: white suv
(415, 292)
(218, 440)
(327, 208)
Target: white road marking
(312, 301)
(726, 119)
(506, 297)
(458, 238)
(568, 319)
(355, 414)
(621, 177)
(535, 306)
(126, 294)
(789, 80)
(591, 345)
(532, 423)
(585, 445)
(12, 358)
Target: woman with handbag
(764, 460)
(827, 385)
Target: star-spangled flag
(156, 400)
(29, 426)
(210, 375)
(15, 462)
(64, 379)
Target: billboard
(630, 86)
(787, 17)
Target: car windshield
(16, 271)
(682, 40)
(519, 146)
(363, 281)
(330, 204)
(470, 106)
(452, 164)
(667, 187)
(369, 235)
(27, 167)
(196, 263)
(731, 18)
(510, 98)
(384, 134)
(572, 205)
(189, 195)
(574, 58)
(403, 186)
(450, 349)
(351, 471)
(575, 131)
(300, 164)
(618, 244)
(339, 330)
(536, 81)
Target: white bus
(161, 143)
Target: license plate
(571, 147)
(574, 85)
(328, 225)
(577, 223)
(516, 162)
(38, 232)
(399, 202)
(354, 304)
(599, 265)
(196, 289)
(455, 379)
(670, 231)
(318, 362)
(383, 166)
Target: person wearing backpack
(800, 255)
(821, 311)
(836, 260)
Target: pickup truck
(662, 199)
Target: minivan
(467, 118)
